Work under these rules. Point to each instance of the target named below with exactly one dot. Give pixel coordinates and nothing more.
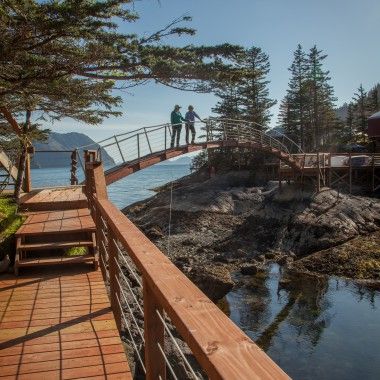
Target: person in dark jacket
(190, 119)
(176, 120)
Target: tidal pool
(314, 328)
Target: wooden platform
(58, 324)
(55, 230)
(71, 197)
(52, 222)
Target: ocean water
(136, 187)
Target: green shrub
(10, 222)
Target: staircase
(46, 235)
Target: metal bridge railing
(133, 145)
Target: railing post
(153, 335)
(118, 145)
(350, 173)
(74, 166)
(147, 140)
(138, 145)
(166, 137)
(89, 157)
(113, 253)
(318, 173)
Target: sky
(346, 30)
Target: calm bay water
(321, 329)
(133, 188)
(325, 328)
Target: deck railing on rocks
(144, 285)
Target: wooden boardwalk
(50, 199)
(58, 324)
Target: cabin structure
(374, 131)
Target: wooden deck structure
(343, 171)
(58, 324)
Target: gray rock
(249, 269)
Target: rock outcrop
(227, 223)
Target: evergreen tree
(46, 40)
(321, 100)
(350, 121)
(309, 118)
(254, 91)
(374, 98)
(361, 110)
(230, 104)
(285, 120)
(63, 58)
(297, 99)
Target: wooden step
(55, 245)
(58, 223)
(56, 260)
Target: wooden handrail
(220, 347)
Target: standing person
(176, 119)
(190, 119)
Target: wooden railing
(171, 304)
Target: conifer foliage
(65, 58)
(248, 99)
(307, 111)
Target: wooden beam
(7, 164)
(220, 347)
(11, 120)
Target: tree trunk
(23, 156)
(21, 171)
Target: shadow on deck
(57, 323)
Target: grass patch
(76, 251)
(10, 221)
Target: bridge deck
(58, 324)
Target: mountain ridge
(64, 142)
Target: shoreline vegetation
(228, 224)
(10, 221)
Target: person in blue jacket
(190, 119)
(176, 120)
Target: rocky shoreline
(227, 224)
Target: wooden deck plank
(51, 337)
(71, 197)
(57, 222)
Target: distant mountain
(66, 142)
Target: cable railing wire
(127, 264)
(167, 362)
(130, 289)
(130, 333)
(131, 312)
(188, 365)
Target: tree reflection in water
(313, 327)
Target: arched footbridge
(146, 146)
